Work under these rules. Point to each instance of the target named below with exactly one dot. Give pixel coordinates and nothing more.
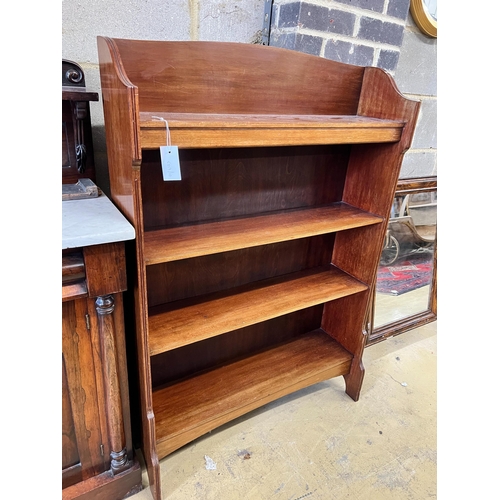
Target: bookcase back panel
(236, 182)
(176, 364)
(213, 273)
(217, 77)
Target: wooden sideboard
(97, 452)
(253, 271)
(98, 462)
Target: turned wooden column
(105, 269)
(105, 306)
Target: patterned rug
(405, 275)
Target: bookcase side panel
(144, 386)
(120, 107)
(373, 172)
(347, 330)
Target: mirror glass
(431, 6)
(405, 270)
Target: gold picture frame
(422, 17)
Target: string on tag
(169, 157)
(166, 125)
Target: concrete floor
(319, 444)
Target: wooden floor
(319, 444)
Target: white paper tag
(170, 163)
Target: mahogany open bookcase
(252, 272)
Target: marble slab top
(93, 221)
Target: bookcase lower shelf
(186, 410)
(253, 303)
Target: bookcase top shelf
(191, 130)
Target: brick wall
(361, 32)
(370, 33)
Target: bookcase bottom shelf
(188, 409)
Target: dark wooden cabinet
(77, 146)
(97, 452)
(253, 272)
(98, 462)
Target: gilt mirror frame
(422, 17)
(382, 332)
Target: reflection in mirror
(406, 264)
(432, 8)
